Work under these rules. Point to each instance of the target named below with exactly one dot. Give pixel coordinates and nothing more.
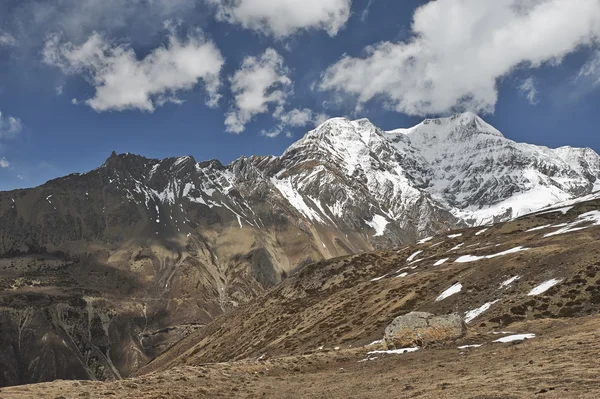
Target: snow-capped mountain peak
(459, 163)
(361, 183)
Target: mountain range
(102, 272)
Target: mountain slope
(541, 266)
(106, 270)
(529, 291)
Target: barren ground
(561, 362)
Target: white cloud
(260, 82)
(281, 18)
(365, 13)
(591, 70)
(78, 19)
(293, 119)
(528, 88)
(460, 48)
(123, 82)
(7, 40)
(10, 127)
(4, 163)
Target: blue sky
(226, 78)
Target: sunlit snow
(456, 247)
(286, 189)
(471, 314)
(516, 337)
(456, 288)
(413, 256)
(379, 278)
(508, 282)
(424, 240)
(539, 228)
(561, 210)
(592, 217)
(545, 286)
(441, 262)
(394, 351)
(469, 346)
(379, 223)
(471, 258)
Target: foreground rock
(423, 329)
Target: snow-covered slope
(374, 187)
(484, 177)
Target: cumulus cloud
(4, 163)
(261, 85)
(10, 127)
(528, 88)
(261, 82)
(293, 119)
(122, 81)
(281, 18)
(460, 48)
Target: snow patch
(471, 258)
(592, 217)
(394, 351)
(424, 240)
(379, 223)
(441, 262)
(561, 210)
(413, 256)
(545, 286)
(456, 247)
(539, 228)
(470, 346)
(516, 337)
(472, 314)
(287, 190)
(455, 289)
(508, 282)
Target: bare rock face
(422, 329)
